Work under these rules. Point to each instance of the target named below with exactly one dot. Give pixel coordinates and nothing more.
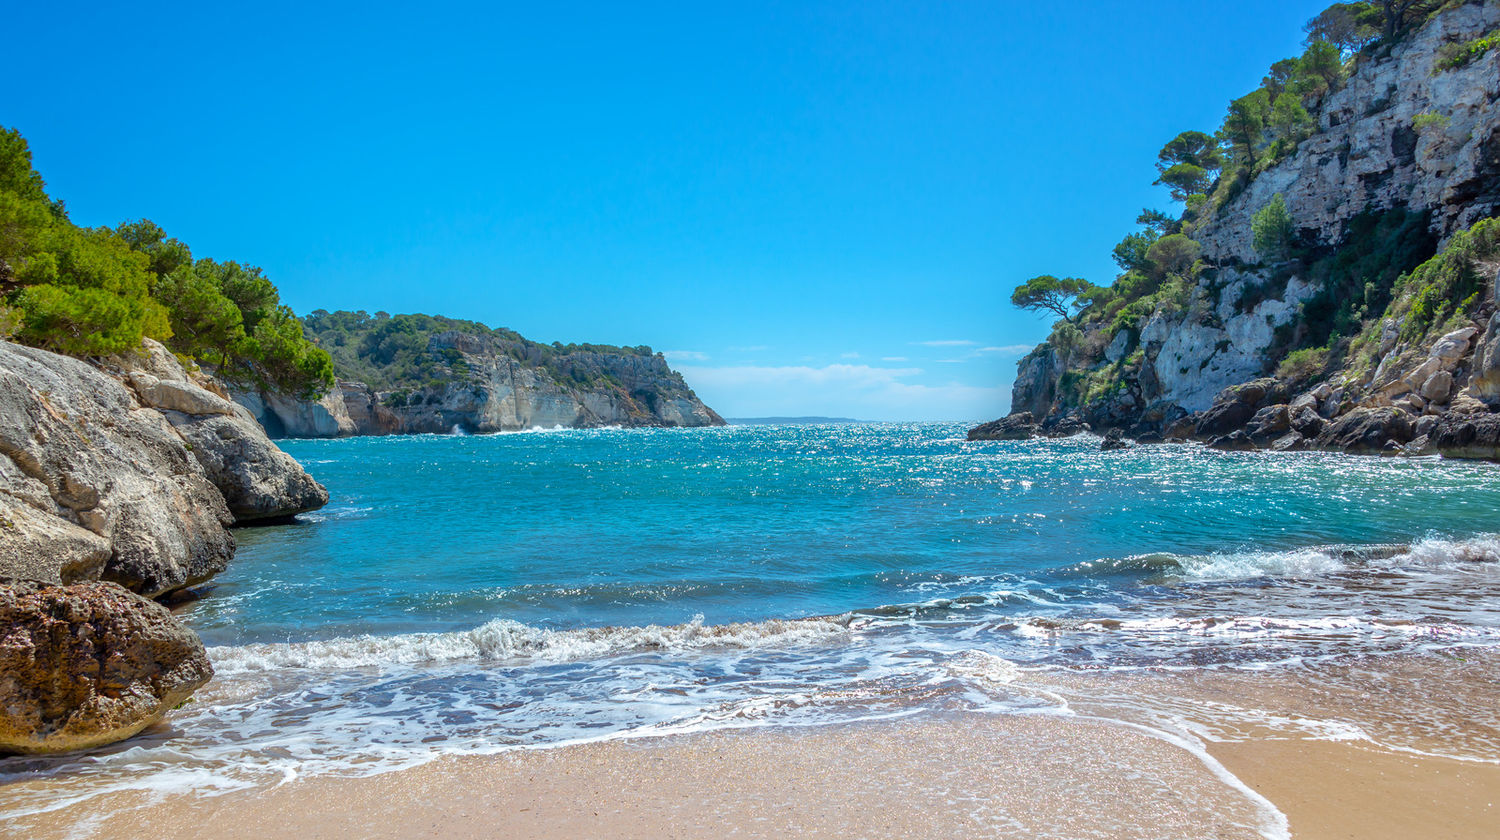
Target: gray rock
(1114, 439)
(46, 547)
(182, 396)
(1307, 422)
(1236, 441)
(1289, 442)
(1484, 383)
(256, 479)
(1368, 430)
(1270, 422)
(1466, 436)
(1437, 387)
(89, 664)
(1366, 155)
(110, 468)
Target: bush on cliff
(99, 291)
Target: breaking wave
(506, 640)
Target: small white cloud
(848, 355)
(1008, 350)
(952, 342)
(685, 355)
(892, 358)
(952, 361)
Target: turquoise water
(467, 595)
(631, 527)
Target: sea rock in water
(1019, 426)
(1235, 441)
(1113, 439)
(1466, 435)
(1368, 430)
(79, 452)
(89, 664)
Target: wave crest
(503, 639)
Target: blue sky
(813, 208)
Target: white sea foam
(1312, 561)
(503, 639)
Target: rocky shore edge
(1437, 403)
(120, 479)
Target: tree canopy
(99, 291)
(1059, 295)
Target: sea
(476, 594)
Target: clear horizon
(810, 210)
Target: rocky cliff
(119, 481)
(1374, 330)
(452, 375)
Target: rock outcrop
(1372, 152)
(257, 480)
(488, 384)
(89, 664)
(124, 475)
(78, 448)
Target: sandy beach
(928, 776)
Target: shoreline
(930, 775)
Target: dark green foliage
(1357, 280)
(89, 292)
(1173, 256)
(398, 352)
(1130, 254)
(1271, 227)
(1188, 163)
(1448, 284)
(1349, 26)
(1156, 222)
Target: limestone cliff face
(489, 389)
(1372, 153)
(1401, 135)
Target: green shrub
(1422, 122)
(1462, 55)
(1271, 229)
(1302, 365)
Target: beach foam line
(503, 639)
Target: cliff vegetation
(91, 292)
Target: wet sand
(1109, 771)
(955, 776)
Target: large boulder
(88, 664)
(1368, 430)
(258, 481)
(1236, 405)
(75, 447)
(1466, 435)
